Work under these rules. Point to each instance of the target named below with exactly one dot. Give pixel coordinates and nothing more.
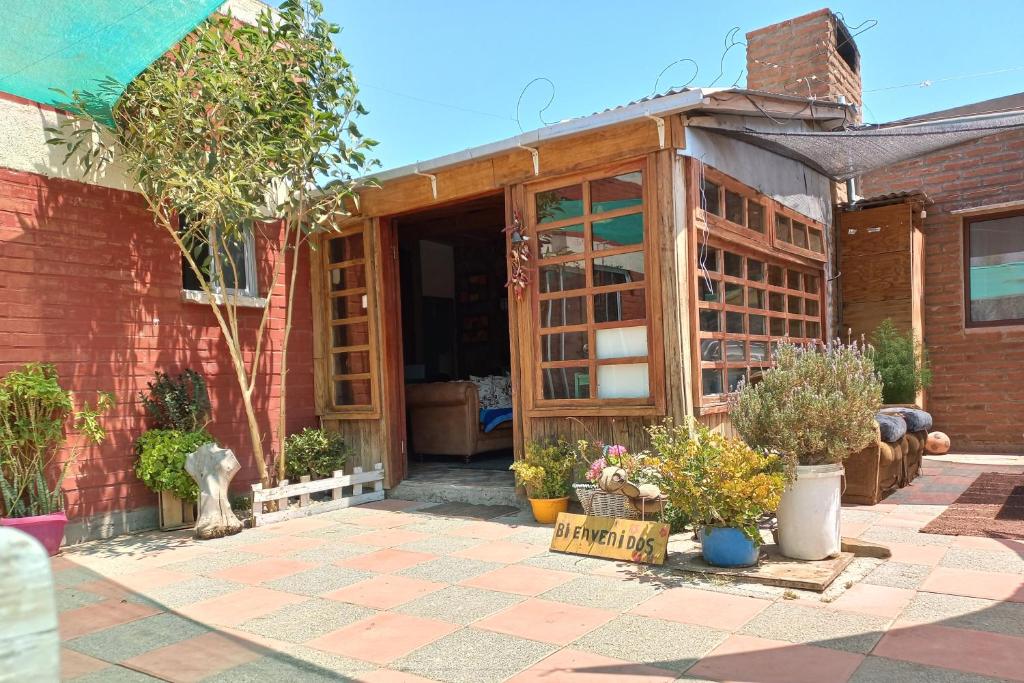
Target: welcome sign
(609, 537)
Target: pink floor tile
(483, 530)
(853, 529)
(390, 504)
(385, 561)
(282, 546)
(148, 579)
(386, 538)
(915, 554)
(382, 520)
(746, 658)
(998, 544)
(500, 551)
(383, 638)
(96, 617)
(196, 658)
(988, 654)
(975, 584)
(519, 579)
(74, 664)
(389, 676)
(385, 591)
(240, 606)
(296, 526)
(574, 666)
(267, 569)
(546, 620)
(703, 608)
(881, 601)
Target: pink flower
(596, 467)
(616, 450)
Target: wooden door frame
(392, 363)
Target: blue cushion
(892, 427)
(917, 420)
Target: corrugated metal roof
(885, 200)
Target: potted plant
(316, 453)
(178, 408)
(722, 485)
(901, 362)
(816, 404)
(34, 415)
(546, 471)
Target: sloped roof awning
(70, 46)
(849, 153)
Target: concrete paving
(391, 592)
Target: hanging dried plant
(519, 257)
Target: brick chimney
(813, 55)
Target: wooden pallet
(336, 484)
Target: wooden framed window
(994, 269)
(351, 321)
(592, 302)
(798, 234)
(728, 205)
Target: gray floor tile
(662, 644)
(318, 581)
(295, 665)
(440, 545)
(460, 604)
(818, 626)
(73, 598)
(970, 613)
(602, 593)
(427, 524)
(335, 531)
(882, 670)
(898, 575)
(449, 569)
(191, 591)
(894, 534)
(538, 535)
(214, 562)
(1005, 561)
(304, 621)
(565, 562)
(115, 674)
(330, 552)
(119, 643)
(73, 576)
(473, 656)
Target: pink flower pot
(47, 529)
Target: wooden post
(336, 492)
(304, 498)
(357, 489)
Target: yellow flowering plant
(546, 469)
(717, 481)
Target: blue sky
(441, 76)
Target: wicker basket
(598, 503)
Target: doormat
(992, 506)
(469, 510)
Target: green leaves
(179, 403)
(315, 452)
(161, 465)
(901, 361)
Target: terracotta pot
(545, 510)
(47, 529)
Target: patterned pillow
(495, 391)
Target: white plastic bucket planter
(809, 513)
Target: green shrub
(180, 403)
(161, 465)
(901, 361)
(815, 404)
(316, 452)
(546, 469)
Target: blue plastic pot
(727, 547)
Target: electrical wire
(540, 112)
(932, 81)
(446, 105)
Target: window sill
(198, 297)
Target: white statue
(213, 468)
(29, 644)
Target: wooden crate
(336, 484)
(175, 513)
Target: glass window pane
(736, 375)
(567, 240)
(626, 380)
(796, 328)
(709, 197)
(777, 327)
(556, 205)
(630, 304)
(562, 277)
(351, 363)
(352, 392)
(775, 276)
(571, 310)
(735, 350)
(811, 306)
(355, 334)
(755, 216)
(711, 381)
(757, 324)
(799, 234)
(710, 350)
(813, 329)
(707, 259)
(755, 270)
(795, 304)
(776, 301)
(565, 383)
(619, 192)
(618, 269)
(734, 205)
(348, 306)
(709, 290)
(622, 231)
(782, 228)
(710, 321)
(734, 323)
(814, 241)
(733, 294)
(733, 264)
(758, 351)
(352, 277)
(793, 279)
(563, 346)
(621, 342)
(811, 284)
(755, 297)
(345, 248)
(996, 275)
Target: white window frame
(251, 290)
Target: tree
(241, 129)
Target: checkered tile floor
(387, 592)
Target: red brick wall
(89, 283)
(978, 391)
(799, 57)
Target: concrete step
(439, 492)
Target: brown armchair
(444, 419)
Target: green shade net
(79, 44)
